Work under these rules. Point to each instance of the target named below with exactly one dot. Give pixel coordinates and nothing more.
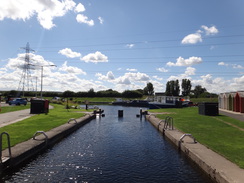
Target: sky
(121, 44)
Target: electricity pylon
(25, 83)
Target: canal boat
(132, 103)
(168, 102)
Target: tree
(149, 89)
(68, 93)
(91, 93)
(186, 87)
(131, 94)
(199, 90)
(172, 88)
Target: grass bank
(198, 100)
(24, 130)
(12, 108)
(222, 134)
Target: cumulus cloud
(210, 30)
(132, 70)
(239, 81)
(157, 78)
(69, 53)
(234, 66)
(45, 11)
(80, 8)
(70, 69)
(130, 45)
(222, 64)
(108, 77)
(162, 69)
(192, 39)
(137, 76)
(101, 20)
(127, 80)
(80, 18)
(197, 37)
(20, 63)
(95, 57)
(190, 71)
(186, 62)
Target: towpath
(15, 116)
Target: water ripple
(111, 150)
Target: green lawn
(24, 130)
(197, 100)
(11, 108)
(212, 131)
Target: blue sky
(122, 45)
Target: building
(232, 101)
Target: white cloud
(19, 62)
(132, 70)
(72, 70)
(84, 19)
(186, 62)
(80, 8)
(162, 69)
(210, 30)
(101, 20)
(186, 75)
(95, 57)
(192, 39)
(222, 64)
(137, 76)
(157, 78)
(130, 80)
(239, 81)
(197, 37)
(69, 53)
(45, 11)
(130, 45)
(126, 81)
(108, 77)
(190, 71)
(234, 66)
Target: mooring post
(120, 113)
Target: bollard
(120, 113)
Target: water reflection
(111, 149)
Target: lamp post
(42, 73)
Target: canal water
(112, 149)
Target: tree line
(172, 89)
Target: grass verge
(12, 108)
(222, 134)
(24, 130)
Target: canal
(111, 149)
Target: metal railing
(1, 144)
(185, 135)
(72, 119)
(169, 123)
(40, 132)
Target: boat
(132, 103)
(167, 102)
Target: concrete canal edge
(24, 151)
(217, 167)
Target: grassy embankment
(24, 130)
(222, 134)
(12, 108)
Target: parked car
(18, 101)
